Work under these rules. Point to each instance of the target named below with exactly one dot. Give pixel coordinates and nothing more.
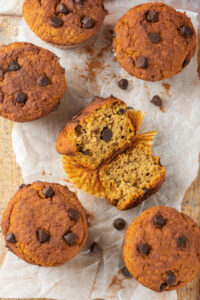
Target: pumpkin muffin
(162, 249)
(154, 41)
(45, 224)
(31, 82)
(66, 22)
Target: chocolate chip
(122, 111)
(186, 31)
(147, 191)
(21, 98)
(123, 84)
(78, 2)
(154, 37)
(163, 286)
(48, 192)
(74, 214)
(86, 152)
(170, 278)
(62, 9)
(70, 238)
(185, 63)
(42, 235)
(1, 73)
(126, 273)
(106, 134)
(156, 100)
(95, 248)
(21, 186)
(130, 107)
(144, 249)
(119, 223)
(10, 237)
(152, 16)
(13, 66)
(88, 22)
(141, 62)
(56, 21)
(158, 220)
(43, 81)
(181, 241)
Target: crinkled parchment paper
(91, 69)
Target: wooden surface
(11, 177)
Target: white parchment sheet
(92, 70)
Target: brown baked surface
(172, 249)
(29, 210)
(33, 64)
(164, 58)
(38, 13)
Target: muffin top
(153, 41)
(66, 22)
(162, 249)
(45, 224)
(31, 82)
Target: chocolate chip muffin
(64, 22)
(154, 41)
(31, 82)
(45, 224)
(162, 249)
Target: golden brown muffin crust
(154, 41)
(31, 82)
(64, 22)
(162, 249)
(30, 211)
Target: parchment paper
(91, 69)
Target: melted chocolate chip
(56, 21)
(70, 238)
(74, 214)
(141, 62)
(123, 84)
(163, 286)
(95, 248)
(119, 223)
(144, 249)
(78, 129)
(106, 134)
(181, 241)
(48, 192)
(87, 22)
(21, 98)
(122, 111)
(154, 37)
(126, 273)
(152, 16)
(185, 63)
(13, 66)
(42, 235)
(43, 81)
(62, 9)
(156, 100)
(158, 221)
(10, 237)
(186, 31)
(170, 278)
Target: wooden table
(10, 172)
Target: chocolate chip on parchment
(70, 238)
(43, 81)
(170, 278)
(21, 97)
(95, 248)
(48, 192)
(152, 16)
(106, 134)
(186, 31)
(163, 286)
(144, 249)
(10, 237)
(119, 223)
(156, 100)
(158, 220)
(123, 84)
(181, 241)
(62, 9)
(141, 62)
(42, 235)
(87, 22)
(13, 66)
(56, 21)
(126, 273)
(154, 37)
(74, 214)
